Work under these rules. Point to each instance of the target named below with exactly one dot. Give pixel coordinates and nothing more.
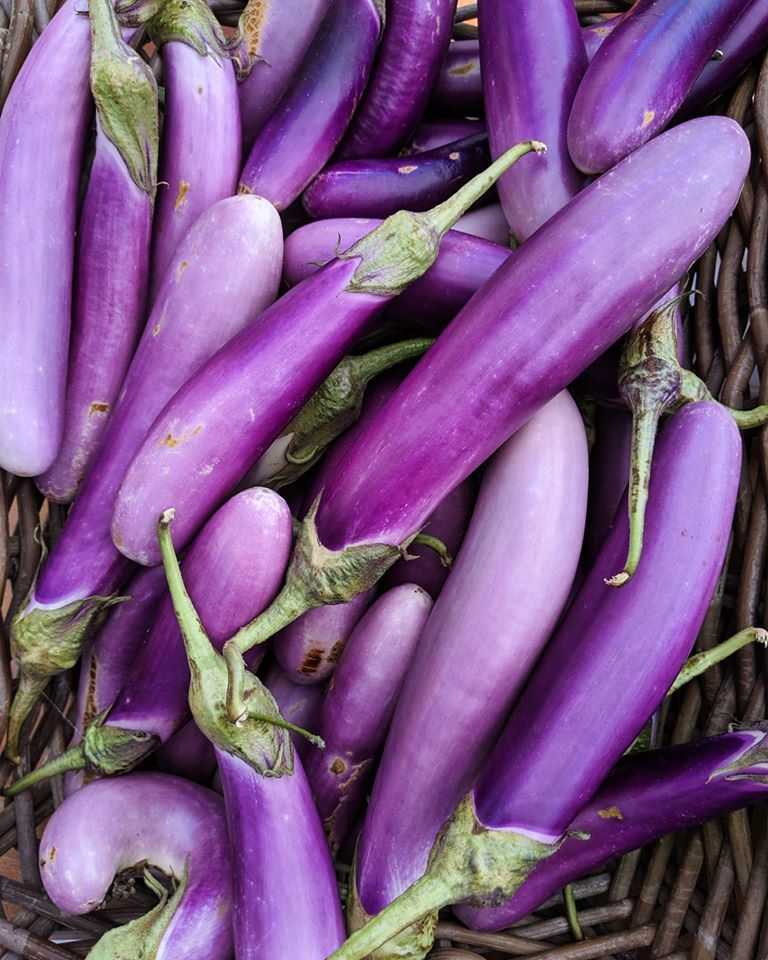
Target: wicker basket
(700, 894)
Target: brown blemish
(90, 711)
(170, 441)
(311, 662)
(407, 169)
(181, 268)
(199, 89)
(156, 329)
(251, 23)
(98, 406)
(453, 156)
(610, 813)
(338, 766)
(181, 195)
(648, 115)
(463, 68)
(335, 653)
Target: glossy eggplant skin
(413, 46)
(608, 475)
(646, 796)
(458, 90)
(533, 59)
(435, 133)
(641, 75)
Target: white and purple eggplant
(458, 90)
(533, 58)
(112, 260)
(593, 689)
(641, 75)
(304, 130)
(145, 818)
(413, 47)
(43, 129)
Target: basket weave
(698, 895)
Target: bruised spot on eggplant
(338, 766)
(610, 813)
(181, 268)
(90, 710)
(463, 68)
(98, 406)
(156, 329)
(311, 662)
(181, 196)
(648, 116)
(251, 24)
(170, 441)
(199, 89)
(407, 169)
(335, 653)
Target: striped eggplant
(154, 819)
(358, 705)
(641, 75)
(112, 259)
(458, 90)
(300, 136)
(592, 691)
(533, 58)
(413, 47)
(238, 244)
(43, 128)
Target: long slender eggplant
(201, 142)
(42, 137)
(274, 37)
(646, 796)
(641, 75)
(595, 35)
(169, 823)
(458, 90)
(533, 59)
(113, 248)
(225, 272)
(381, 187)
(299, 138)
(527, 529)
(187, 753)
(436, 133)
(235, 406)
(608, 475)
(592, 690)
(413, 47)
(519, 341)
(358, 705)
(297, 702)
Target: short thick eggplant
(509, 585)
(381, 187)
(176, 826)
(225, 272)
(458, 90)
(533, 59)
(42, 138)
(299, 138)
(646, 796)
(112, 260)
(641, 75)
(413, 47)
(358, 705)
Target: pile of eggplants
(341, 337)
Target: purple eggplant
(225, 272)
(592, 690)
(646, 796)
(358, 705)
(145, 818)
(42, 137)
(299, 138)
(608, 475)
(458, 90)
(527, 528)
(436, 133)
(187, 753)
(235, 406)
(272, 43)
(641, 75)
(113, 248)
(487, 223)
(596, 34)
(413, 47)
(381, 187)
(286, 902)
(533, 59)
(297, 702)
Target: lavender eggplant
(236, 405)
(358, 705)
(641, 75)
(414, 44)
(42, 137)
(176, 826)
(381, 187)
(527, 528)
(272, 42)
(436, 133)
(458, 90)
(487, 223)
(187, 753)
(592, 691)
(297, 702)
(299, 138)
(192, 318)
(533, 59)
(113, 248)
(646, 796)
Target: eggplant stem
(278, 721)
(369, 365)
(696, 665)
(434, 544)
(571, 912)
(72, 759)
(27, 693)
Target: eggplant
(533, 59)
(487, 223)
(357, 708)
(595, 34)
(43, 129)
(112, 259)
(381, 187)
(641, 75)
(238, 243)
(458, 90)
(413, 46)
(436, 133)
(271, 45)
(300, 136)
(145, 818)
(608, 475)
(187, 753)
(646, 796)
(509, 586)
(592, 691)
(297, 702)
